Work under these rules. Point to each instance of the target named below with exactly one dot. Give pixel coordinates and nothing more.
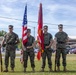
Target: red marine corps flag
(24, 32)
(40, 37)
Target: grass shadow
(69, 71)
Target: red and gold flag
(40, 37)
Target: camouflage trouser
(48, 54)
(58, 53)
(10, 52)
(25, 58)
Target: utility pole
(34, 32)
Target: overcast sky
(54, 13)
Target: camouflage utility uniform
(61, 38)
(10, 39)
(47, 51)
(29, 52)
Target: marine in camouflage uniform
(10, 39)
(29, 51)
(61, 38)
(47, 49)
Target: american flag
(24, 32)
(24, 27)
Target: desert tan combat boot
(50, 70)
(64, 68)
(24, 69)
(33, 69)
(6, 70)
(12, 69)
(58, 68)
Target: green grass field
(71, 67)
